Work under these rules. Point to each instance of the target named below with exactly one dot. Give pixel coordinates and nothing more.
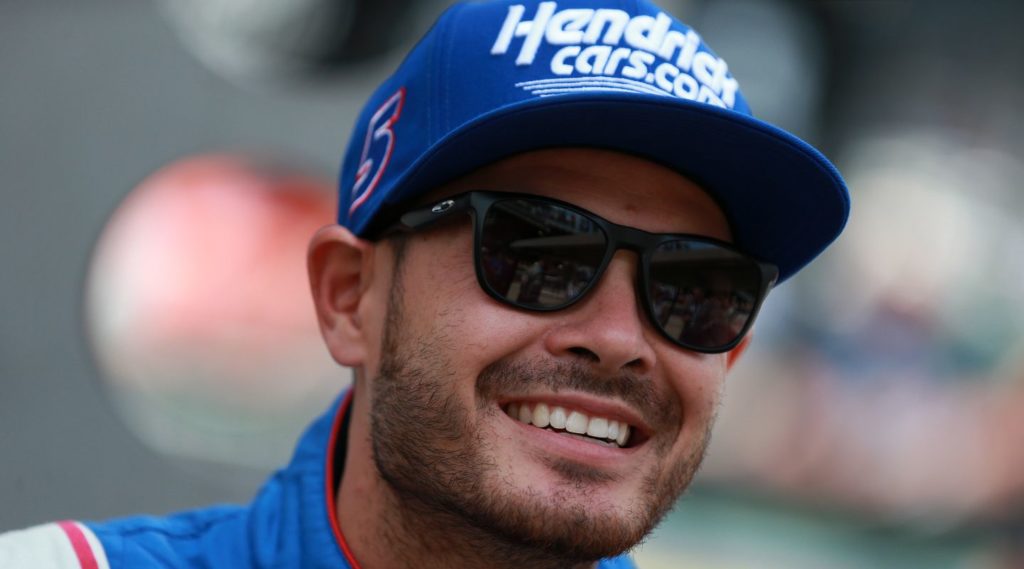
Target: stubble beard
(445, 477)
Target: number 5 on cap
(380, 141)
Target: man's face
(454, 363)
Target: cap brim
(784, 200)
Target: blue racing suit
(290, 524)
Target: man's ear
(340, 270)
(733, 355)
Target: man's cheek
(507, 329)
(698, 380)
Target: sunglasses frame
(644, 244)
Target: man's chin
(564, 521)
(576, 509)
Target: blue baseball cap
(494, 79)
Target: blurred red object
(197, 294)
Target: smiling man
(557, 223)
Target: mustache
(505, 377)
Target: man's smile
(579, 426)
(595, 429)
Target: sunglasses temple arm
(426, 216)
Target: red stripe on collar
(331, 491)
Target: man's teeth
(544, 416)
(577, 423)
(557, 418)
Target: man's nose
(607, 328)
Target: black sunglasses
(542, 254)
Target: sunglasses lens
(539, 255)
(703, 295)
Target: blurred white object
(778, 50)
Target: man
(557, 224)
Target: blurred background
(164, 164)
